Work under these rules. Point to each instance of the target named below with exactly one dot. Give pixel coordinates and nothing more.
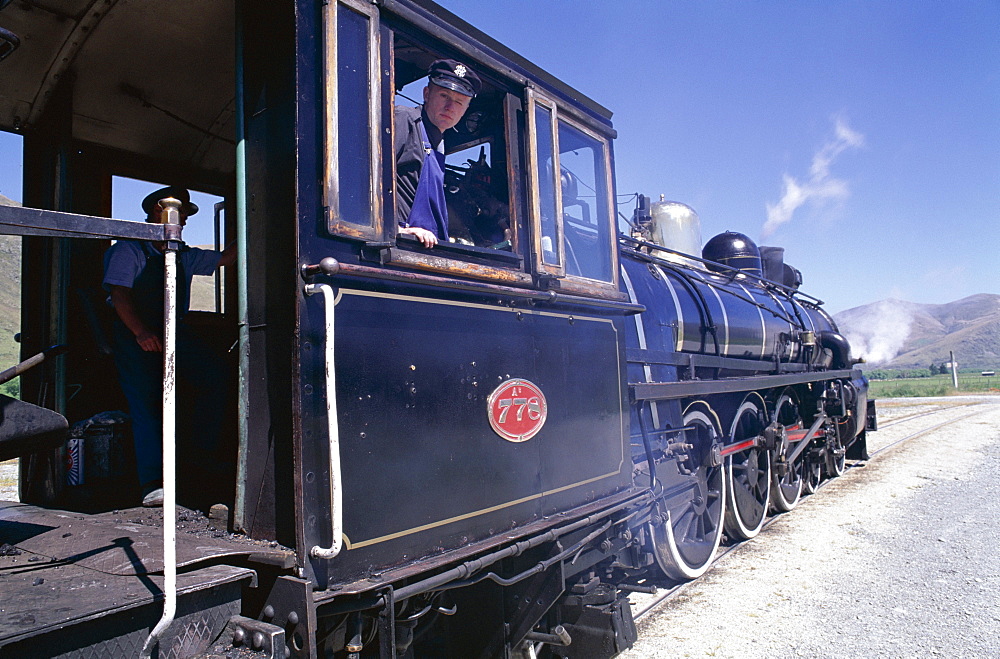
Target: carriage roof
(157, 79)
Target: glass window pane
(354, 134)
(546, 188)
(585, 196)
(476, 213)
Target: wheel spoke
(684, 548)
(749, 474)
(788, 480)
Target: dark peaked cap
(455, 76)
(175, 191)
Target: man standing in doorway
(133, 276)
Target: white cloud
(821, 186)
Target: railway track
(643, 605)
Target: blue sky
(868, 133)
(731, 107)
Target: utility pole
(954, 369)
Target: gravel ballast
(897, 558)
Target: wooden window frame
(336, 224)
(569, 283)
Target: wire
(411, 100)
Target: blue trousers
(202, 393)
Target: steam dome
(734, 250)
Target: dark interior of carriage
(104, 92)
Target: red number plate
(517, 410)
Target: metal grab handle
(333, 429)
(31, 362)
(171, 220)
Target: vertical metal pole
(243, 413)
(219, 209)
(171, 212)
(60, 283)
(954, 369)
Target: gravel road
(8, 480)
(897, 558)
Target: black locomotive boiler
(473, 450)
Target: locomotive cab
(455, 366)
(529, 183)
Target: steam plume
(820, 186)
(879, 333)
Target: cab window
(376, 65)
(583, 180)
(571, 195)
(476, 186)
(547, 202)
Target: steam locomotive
(473, 450)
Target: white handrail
(333, 430)
(169, 426)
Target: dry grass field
(8, 480)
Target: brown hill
(10, 293)
(898, 334)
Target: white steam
(878, 334)
(820, 186)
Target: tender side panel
(423, 468)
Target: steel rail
(917, 415)
(923, 432)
